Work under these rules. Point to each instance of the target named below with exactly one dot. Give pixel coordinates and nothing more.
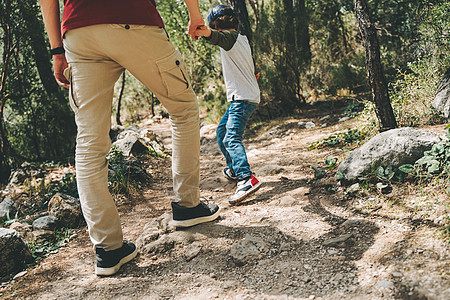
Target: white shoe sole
(247, 193)
(112, 270)
(192, 222)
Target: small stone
(396, 274)
(385, 284)
(18, 275)
(338, 241)
(353, 188)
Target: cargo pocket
(72, 100)
(173, 74)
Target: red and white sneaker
(244, 188)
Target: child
(242, 93)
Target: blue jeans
(229, 136)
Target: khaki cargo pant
(97, 56)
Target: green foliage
(331, 162)
(67, 185)
(282, 49)
(41, 250)
(437, 160)
(338, 58)
(37, 119)
(339, 139)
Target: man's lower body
(97, 56)
(229, 137)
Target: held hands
(203, 31)
(194, 23)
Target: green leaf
(330, 160)
(408, 168)
(339, 175)
(438, 148)
(433, 166)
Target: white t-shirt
(239, 72)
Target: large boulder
(14, 253)
(393, 148)
(66, 209)
(442, 99)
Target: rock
(306, 125)
(208, 132)
(338, 241)
(393, 148)
(131, 167)
(343, 119)
(26, 170)
(352, 223)
(162, 244)
(441, 100)
(41, 236)
(268, 170)
(25, 230)
(384, 284)
(192, 250)
(46, 223)
(384, 188)
(152, 141)
(353, 189)
(8, 209)
(128, 143)
(66, 209)
(325, 118)
(115, 131)
(156, 237)
(287, 201)
(14, 252)
(248, 249)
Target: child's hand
(203, 31)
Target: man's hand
(195, 17)
(193, 26)
(59, 65)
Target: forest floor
(384, 253)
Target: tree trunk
(302, 33)
(377, 80)
(119, 101)
(240, 8)
(30, 12)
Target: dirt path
(292, 217)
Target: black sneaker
(109, 262)
(229, 174)
(187, 217)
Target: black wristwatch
(57, 50)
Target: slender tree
(240, 8)
(377, 80)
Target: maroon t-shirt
(81, 13)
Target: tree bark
(374, 67)
(30, 12)
(119, 101)
(240, 9)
